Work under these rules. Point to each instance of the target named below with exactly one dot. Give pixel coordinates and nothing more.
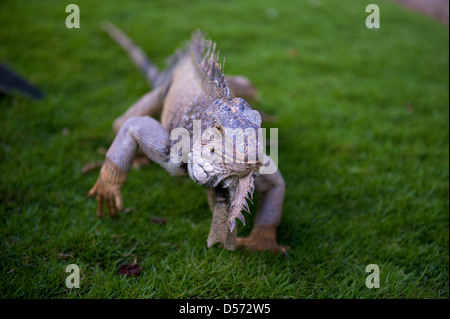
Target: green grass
(364, 149)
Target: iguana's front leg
(219, 203)
(150, 104)
(142, 131)
(270, 192)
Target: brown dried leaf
(63, 255)
(130, 270)
(158, 221)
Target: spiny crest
(204, 54)
(244, 192)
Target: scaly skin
(194, 88)
(108, 188)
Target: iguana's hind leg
(241, 86)
(270, 190)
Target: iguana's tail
(151, 72)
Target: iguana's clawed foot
(111, 195)
(262, 238)
(108, 189)
(253, 244)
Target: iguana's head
(229, 146)
(229, 152)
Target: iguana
(194, 88)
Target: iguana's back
(194, 79)
(186, 97)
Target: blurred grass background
(364, 149)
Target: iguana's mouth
(202, 172)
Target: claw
(93, 190)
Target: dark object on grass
(11, 82)
(158, 221)
(130, 270)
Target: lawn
(363, 129)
